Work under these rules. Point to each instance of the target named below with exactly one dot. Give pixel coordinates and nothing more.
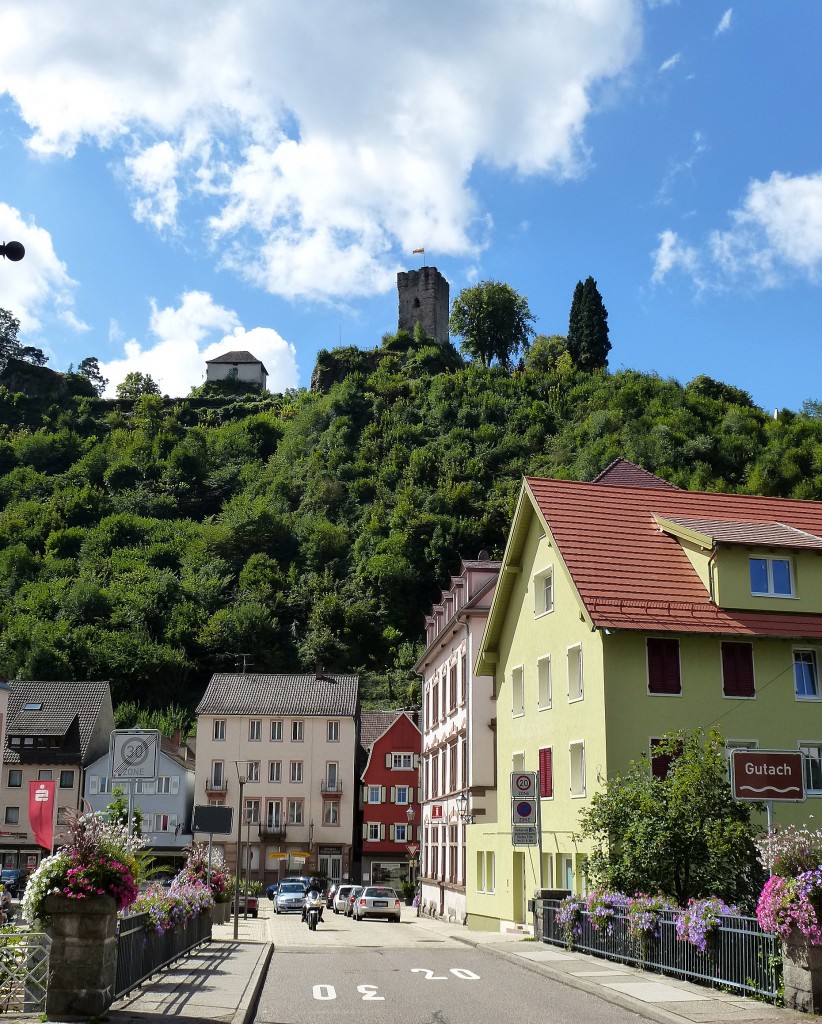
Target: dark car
(271, 890)
(253, 905)
(14, 880)
(329, 896)
(352, 896)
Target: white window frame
(490, 871)
(813, 652)
(275, 771)
(164, 784)
(544, 592)
(404, 791)
(805, 746)
(370, 793)
(576, 745)
(276, 730)
(295, 772)
(333, 731)
(295, 811)
(219, 730)
(253, 769)
(297, 730)
(769, 560)
(255, 730)
(251, 811)
(328, 804)
(544, 683)
(373, 826)
(579, 693)
(480, 871)
(400, 827)
(518, 691)
(398, 762)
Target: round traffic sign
(523, 783)
(524, 809)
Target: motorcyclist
(6, 911)
(313, 894)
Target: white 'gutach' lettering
(767, 769)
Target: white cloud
(189, 334)
(670, 63)
(38, 289)
(724, 22)
(317, 141)
(775, 235)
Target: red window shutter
(737, 670)
(546, 777)
(660, 763)
(663, 666)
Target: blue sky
(198, 176)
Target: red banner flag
(41, 812)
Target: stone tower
(423, 296)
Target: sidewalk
(653, 996)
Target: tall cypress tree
(588, 342)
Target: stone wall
(424, 296)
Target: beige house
(239, 366)
(294, 740)
(53, 731)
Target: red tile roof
(622, 473)
(631, 575)
(726, 531)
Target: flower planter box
(802, 966)
(83, 961)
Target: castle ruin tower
(423, 296)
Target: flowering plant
(196, 870)
(788, 903)
(176, 906)
(791, 850)
(601, 905)
(643, 913)
(99, 859)
(568, 917)
(697, 922)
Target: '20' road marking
(325, 993)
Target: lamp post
(247, 860)
(464, 809)
(242, 778)
(411, 815)
(13, 251)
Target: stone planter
(802, 965)
(221, 912)
(83, 961)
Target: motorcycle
(314, 911)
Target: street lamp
(247, 860)
(242, 778)
(464, 810)
(13, 251)
(411, 815)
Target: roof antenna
(246, 662)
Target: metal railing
(24, 971)
(331, 786)
(216, 786)
(740, 955)
(142, 951)
(271, 829)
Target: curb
(244, 1014)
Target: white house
(240, 366)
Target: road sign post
(768, 775)
(133, 755)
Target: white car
(341, 898)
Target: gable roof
(374, 724)
(256, 693)
(238, 356)
(62, 703)
(622, 473)
(728, 531)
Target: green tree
(493, 321)
(117, 811)
(90, 369)
(588, 327)
(682, 835)
(135, 384)
(10, 346)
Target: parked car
(14, 880)
(253, 904)
(352, 896)
(376, 901)
(290, 896)
(271, 890)
(329, 896)
(340, 898)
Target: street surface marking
(324, 992)
(369, 992)
(429, 975)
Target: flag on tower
(415, 251)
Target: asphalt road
(419, 985)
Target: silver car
(290, 896)
(341, 898)
(377, 901)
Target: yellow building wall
(527, 637)
(733, 581)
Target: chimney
(175, 739)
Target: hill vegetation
(152, 542)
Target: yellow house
(625, 612)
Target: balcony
(272, 831)
(331, 786)
(216, 786)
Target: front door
(330, 866)
(331, 776)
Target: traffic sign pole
(539, 830)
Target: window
(15, 778)
(12, 816)
(14, 741)
(295, 812)
(296, 772)
(452, 687)
(771, 577)
(463, 678)
(165, 823)
(331, 812)
(216, 776)
(164, 784)
(297, 732)
(813, 766)
(276, 732)
(490, 872)
(806, 679)
(32, 707)
(480, 871)
(67, 779)
(544, 683)
(275, 771)
(452, 853)
(663, 666)
(373, 832)
(374, 794)
(453, 782)
(219, 729)
(146, 786)
(333, 734)
(577, 757)
(544, 592)
(255, 730)
(402, 761)
(99, 784)
(546, 773)
(402, 795)
(273, 815)
(517, 692)
(575, 673)
(45, 775)
(216, 801)
(253, 771)
(737, 670)
(252, 812)
(400, 833)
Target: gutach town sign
(767, 775)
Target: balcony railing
(216, 786)
(272, 829)
(331, 786)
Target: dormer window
(32, 707)
(771, 577)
